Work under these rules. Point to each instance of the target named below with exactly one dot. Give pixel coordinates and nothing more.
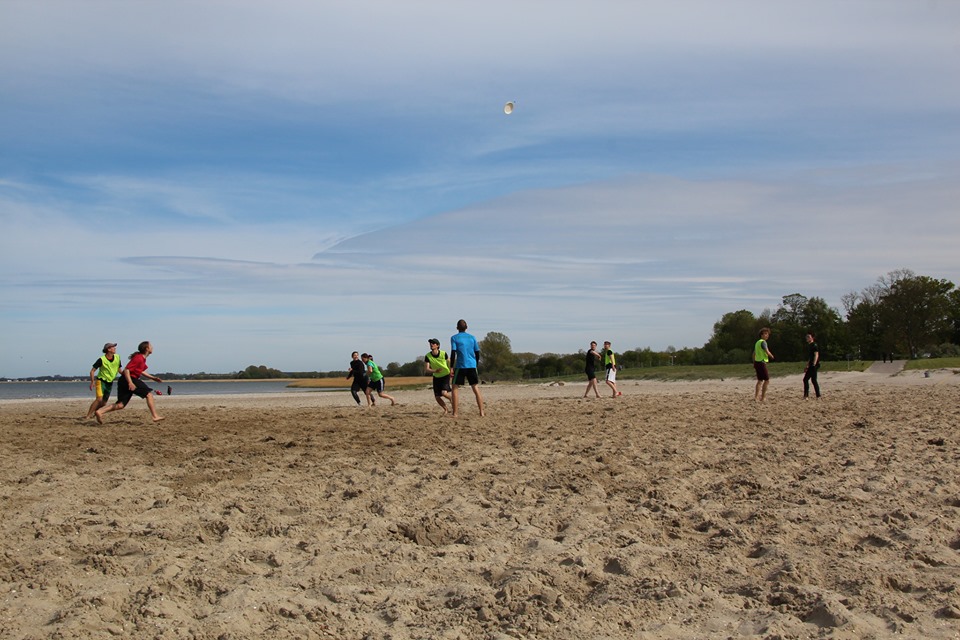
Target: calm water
(21, 390)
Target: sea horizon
(77, 389)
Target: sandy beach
(680, 510)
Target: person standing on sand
(437, 363)
(133, 375)
(610, 364)
(376, 384)
(102, 374)
(761, 356)
(358, 371)
(813, 363)
(591, 370)
(464, 355)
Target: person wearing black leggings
(813, 363)
(358, 371)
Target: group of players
(367, 379)
(450, 372)
(107, 369)
(460, 365)
(609, 364)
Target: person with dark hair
(376, 384)
(361, 382)
(102, 374)
(591, 370)
(133, 384)
(813, 363)
(610, 364)
(761, 356)
(464, 356)
(437, 363)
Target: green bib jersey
(438, 363)
(108, 369)
(760, 351)
(375, 374)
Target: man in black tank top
(593, 356)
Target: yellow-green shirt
(438, 363)
(760, 351)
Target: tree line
(902, 313)
(905, 314)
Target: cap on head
(108, 346)
(434, 341)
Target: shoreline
(785, 386)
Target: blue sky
(282, 183)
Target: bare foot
(158, 419)
(98, 417)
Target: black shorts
(470, 375)
(761, 369)
(591, 374)
(440, 384)
(376, 386)
(124, 394)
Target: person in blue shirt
(464, 355)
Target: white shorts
(612, 374)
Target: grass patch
(933, 363)
(717, 371)
(723, 371)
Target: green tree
(260, 372)
(915, 310)
(864, 330)
(733, 336)
(955, 316)
(799, 315)
(497, 361)
(788, 328)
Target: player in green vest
(610, 364)
(761, 356)
(376, 378)
(102, 375)
(437, 363)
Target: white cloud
(246, 182)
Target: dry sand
(681, 510)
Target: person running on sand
(437, 363)
(591, 370)
(761, 356)
(358, 371)
(464, 355)
(813, 364)
(133, 375)
(376, 384)
(102, 374)
(610, 364)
